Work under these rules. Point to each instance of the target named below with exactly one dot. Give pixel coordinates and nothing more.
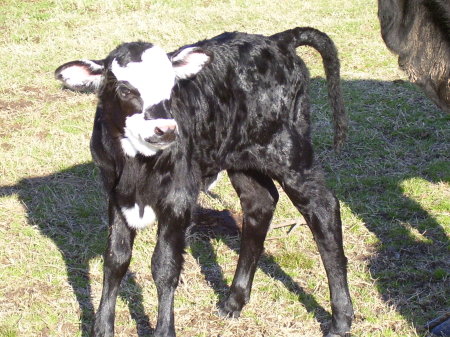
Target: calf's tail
(301, 36)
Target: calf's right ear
(82, 75)
(189, 61)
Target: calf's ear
(189, 61)
(82, 75)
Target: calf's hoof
(97, 332)
(226, 313)
(346, 334)
(230, 308)
(164, 334)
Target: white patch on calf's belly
(135, 220)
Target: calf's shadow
(398, 142)
(68, 207)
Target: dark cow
(418, 32)
(167, 122)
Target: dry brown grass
(392, 180)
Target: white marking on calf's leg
(213, 183)
(135, 220)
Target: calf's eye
(124, 92)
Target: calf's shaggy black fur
(419, 33)
(167, 122)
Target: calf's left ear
(82, 75)
(189, 61)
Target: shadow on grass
(67, 207)
(399, 143)
(396, 136)
(223, 225)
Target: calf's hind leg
(258, 196)
(320, 209)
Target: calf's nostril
(159, 131)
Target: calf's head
(134, 85)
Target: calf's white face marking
(134, 218)
(137, 129)
(154, 78)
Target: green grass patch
(392, 180)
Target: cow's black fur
(419, 33)
(246, 112)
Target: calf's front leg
(167, 261)
(116, 261)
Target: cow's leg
(258, 196)
(320, 209)
(167, 261)
(116, 261)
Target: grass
(392, 180)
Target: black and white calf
(167, 122)
(419, 33)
